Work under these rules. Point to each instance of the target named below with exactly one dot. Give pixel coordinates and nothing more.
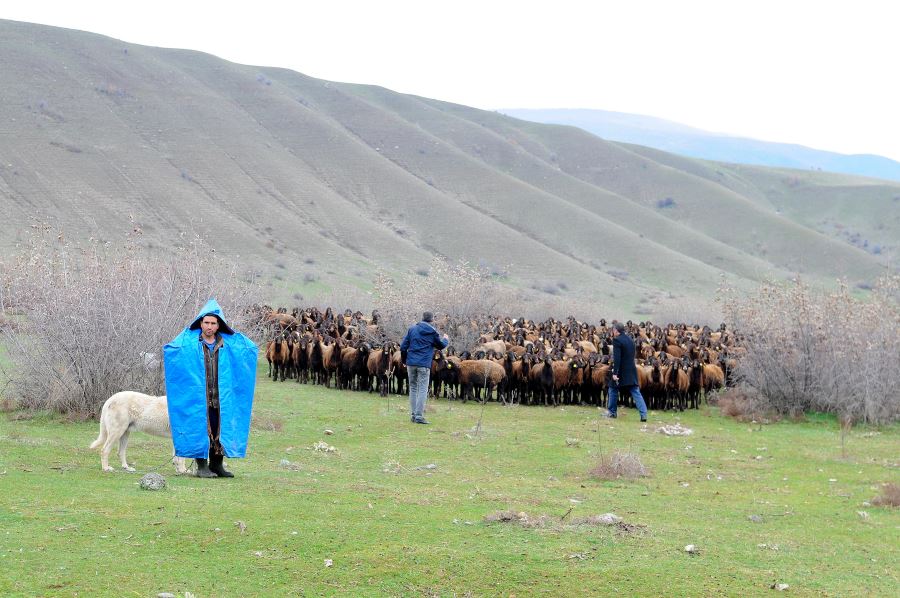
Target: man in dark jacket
(624, 373)
(417, 352)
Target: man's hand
(615, 378)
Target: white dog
(126, 411)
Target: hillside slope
(696, 143)
(304, 178)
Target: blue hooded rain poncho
(186, 388)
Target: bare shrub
(889, 497)
(459, 295)
(744, 405)
(95, 315)
(619, 465)
(814, 351)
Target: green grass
(391, 528)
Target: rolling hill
(307, 179)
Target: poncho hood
(186, 388)
(212, 308)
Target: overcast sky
(819, 73)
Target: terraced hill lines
(289, 173)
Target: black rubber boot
(215, 466)
(203, 470)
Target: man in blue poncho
(210, 378)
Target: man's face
(209, 325)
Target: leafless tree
(461, 296)
(815, 351)
(92, 319)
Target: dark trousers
(215, 447)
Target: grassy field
(399, 509)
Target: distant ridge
(696, 143)
(318, 184)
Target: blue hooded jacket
(186, 388)
(419, 344)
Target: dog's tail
(102, 437)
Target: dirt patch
(266, 423)
(554, 523)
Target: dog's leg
(180, 467)
(104, 453)
(123, 446)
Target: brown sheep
(300, 358)
(378, 365)
(597, 379)
(331, 361)
(497, 347)
(445, 374)
(675, 351)
(399, 374)
(568, 375)
(475, 374)
(587, 346)
(354, 373)
(278, 355)
(713, 377)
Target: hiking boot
(203, 470)
(216, 466)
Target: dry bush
(744, 405)
(459, 295)
(814, 351)
(889, 497)
(95, 316)
(619, 465)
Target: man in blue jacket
(210, 379)
(624, 373)
(417, 352)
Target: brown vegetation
(808, 351)
(94, 318)
(619, 465)
(889, 497)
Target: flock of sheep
(516, 360)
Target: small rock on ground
(153, 481)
